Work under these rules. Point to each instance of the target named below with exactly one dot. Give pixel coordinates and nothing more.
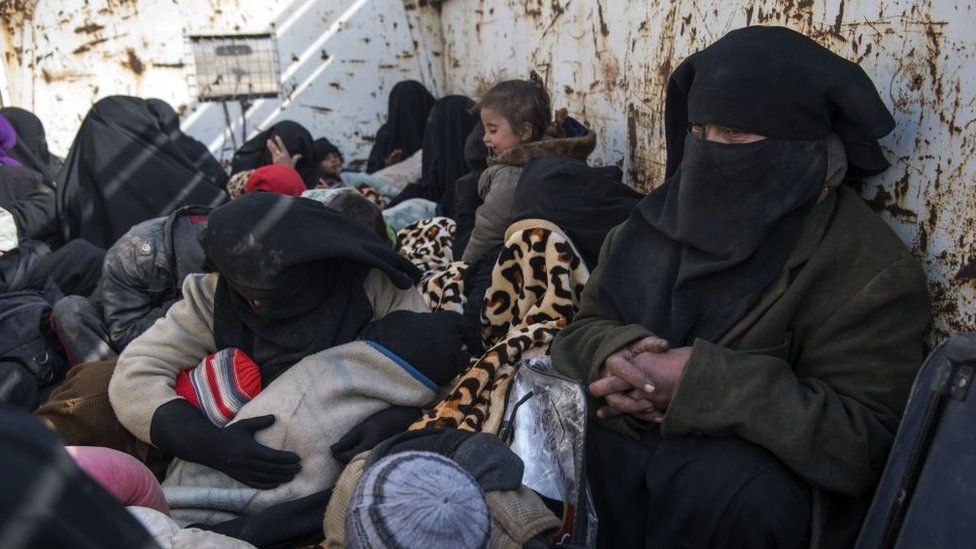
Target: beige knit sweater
(145, 375)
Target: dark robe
(406, 117)
(128, 165)
(254, 154)
(31, 147)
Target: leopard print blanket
(535, 291)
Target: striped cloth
(221, 384)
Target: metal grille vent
(235, 67)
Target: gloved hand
(374, 430)
(180, 429)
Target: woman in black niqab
(443, 162)
(409, 107)
(291, 275)
(699, 251)
(31, 147)
(129, 163)
(297, 140)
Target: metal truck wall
(338, 59)
(608, 61)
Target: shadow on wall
(338, 60)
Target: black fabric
(74, 267)
(19, 267)
(484, 456)
(47, 501)
(584, 202)
(27, 340)
(306, 264)
(722, 492)
(698, 252)
(467, 199)
(180, 429)
(32, 203)
(197, 152)
(430, 342)
(298, 141)
(127, 165)
(443, 159)
(778, 83)
(296, 523)
(31, 147)
(373, 430)
(477, 280)
(324, 147)
(406, 117)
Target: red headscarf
(275, 178)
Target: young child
(517, 116)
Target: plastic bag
(545, 420)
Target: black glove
(178, 428)
(295, 523)
(374, 430)
(430, 342)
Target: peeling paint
(608, 62)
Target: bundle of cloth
(130, 162)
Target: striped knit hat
(221, 384)
(417, 500)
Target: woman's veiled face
(724, 134)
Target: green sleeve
(581, 348)
(831, 416)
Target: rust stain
(133, 63)
(177, 65)
(89, 28)
(967, 271)
(88, 45)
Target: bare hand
(280, 154)
(394, 157)
(664, 370)
(640, 379)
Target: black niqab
(323, 148)
(306, 264)
(698, 252)
(197, 152)
(126, 165)
(298, 141)
(409, 107)
(443, 161)
(31, 147)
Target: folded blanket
(315, 402)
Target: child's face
(499, 134)
(331, 164)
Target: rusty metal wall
(608, 61)
(339, 59)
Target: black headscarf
(698, 252)
(254, 154)
(197, 152)
(406, 118)
(306, 263)
(467, 199)
(443, 162)
(585, 202)
(31, 147)
(125, 166)
(324, 147)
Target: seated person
(518, 120)
(130, 163)
(403, 132)
(287, 288)
(467, 199)
(443, 162)
(141, 279)
(752, 331)
(330, 164)
(287, 143)
(31, 147)
(352, 204)
(24, 192)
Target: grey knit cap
(417, 500)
